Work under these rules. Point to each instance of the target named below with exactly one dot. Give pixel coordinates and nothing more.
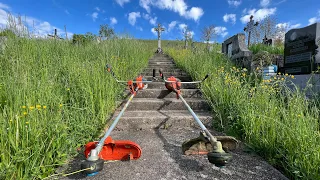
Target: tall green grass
(55, 97)
(283, 129)
(255, 48)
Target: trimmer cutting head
(219, 159)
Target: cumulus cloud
(178, 6)
(172, 25)
(234, 3)
(94, 16)
(122, 2)
(221, 31)
(182, 26)
(133, 17)
(257, 14)
(4, 6)
(36, 27)
(113, 21)
(97, 8)
(288, 25)
(315, 19)
(152, 21)
(265, 3)
(229, 17)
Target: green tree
(106, 32)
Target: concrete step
(182, 78)
(161, 63)
(143, 104)
(164, 66)
(160, 85)
(139, 120)
(160, 94)
(150, 73)
(167, 70)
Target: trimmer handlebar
(109, 69)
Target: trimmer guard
(115, 150)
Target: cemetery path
(143, 122)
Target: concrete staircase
(160, 123)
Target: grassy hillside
(55, 97)
(281, 126)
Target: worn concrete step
(139, 120)
(163, 66)
(161, 63)
(150, 73)
(161, 85)
(160, 94)
(182, 78)
(142, 104)
(167, 70)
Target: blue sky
(138, 17)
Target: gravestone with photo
(301, 52)
(235, 48)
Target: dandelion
(60, 105)
(282, 79)
(31, 108)
(286, 74)
(23, 107)
(27, 122)
(292, 76)
(25, 113)
(38, 106)
(44, 107)
(68, 89)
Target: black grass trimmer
(212, 146)
(108, 149)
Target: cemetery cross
(249, 28)
(159, 29)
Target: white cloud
(4, 6)
(97, 8)
(178, 6)
(133, 17)
(67, 12)
(152, 21)
(258, 15)
(221, 31)
(94, 16)
(313, 20)
(113, 21)
(122, 2)
(234, 3)
(154, 32)
(172, 25)
(231, 17)
(265, 3)
(182, 26)
(288, 25)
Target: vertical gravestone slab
(301, 52)
(236, 49)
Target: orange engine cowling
(139, 84)
(115, 150)
(174, 85)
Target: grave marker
(159, 29)
(301, 52)
(249, 28)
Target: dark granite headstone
(301, 45)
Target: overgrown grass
(282, 129)
(55, 97)
(255, 48)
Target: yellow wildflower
(282, 79)
(31, 107)
(279, 73)
(286, 75)
(27, 122)
(23, 107)
(44, 107)
(60, 105)
(38, 106)
(292, 76)
(68, 89)
(10, 120)
(25, 113)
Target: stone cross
(249, 28)
(186, 36)
(55, 36)
(159, 29)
